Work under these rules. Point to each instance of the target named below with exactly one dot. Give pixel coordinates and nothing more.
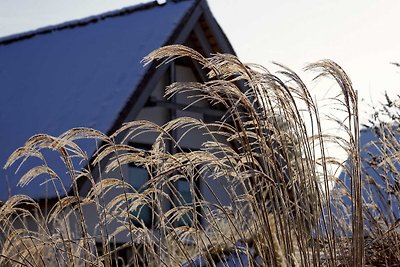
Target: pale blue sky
(361, 35)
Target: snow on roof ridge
(80, 22)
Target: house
(88, 73)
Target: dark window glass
(185, 197)
(138, 176)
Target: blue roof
(79, 74)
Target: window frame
(148, 222)
(197, 215)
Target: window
(137, 178)
(182, 187)
(185, 197)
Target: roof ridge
(79, 22)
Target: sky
(361, 35)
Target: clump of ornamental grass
(381, 172)
(268, 152)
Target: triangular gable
(78, 74)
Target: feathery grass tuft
(280, 204)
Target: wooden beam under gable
(204, 42)
(152, 102)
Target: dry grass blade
(173, 52)
(24, 152)
(84, 133)
(34, 172)
(105, 185)
(67, 202)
